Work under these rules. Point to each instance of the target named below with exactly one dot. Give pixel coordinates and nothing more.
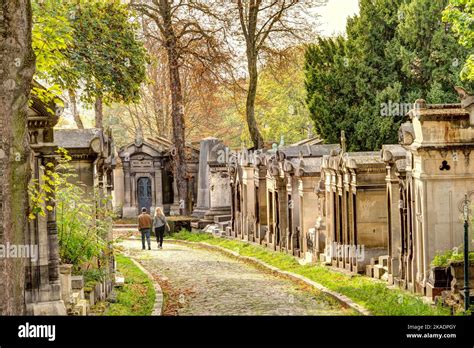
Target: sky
(334, 15)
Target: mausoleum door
(144, 193)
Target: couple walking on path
(158, 223)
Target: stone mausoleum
(144, 177)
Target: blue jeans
(146, 233)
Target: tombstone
(219, 185)
(203, 192)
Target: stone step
(383, 260)
(119, 281)
(379, 271)
(222, 218)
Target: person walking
(144, 225)
(159, 223)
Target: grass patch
(370, 293)
(137, 296)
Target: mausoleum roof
(75, 138)
(309, 150)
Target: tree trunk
(18, 66)
(257, 138)
(99, 116)
(75, 112)
(177, 110)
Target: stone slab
(48, 308)
(77, 282)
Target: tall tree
(430, 56)
(461, 14)
(106, 57)
(330, 91)
(18, 65)
(89, 49)
(395, 52)
(52, 36)
(261, 21)
(180, 31)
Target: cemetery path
(203, 282)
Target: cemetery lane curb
(158, 306)
(344, 300)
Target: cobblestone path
(210, 283)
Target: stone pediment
(145, 147)
(155, 147)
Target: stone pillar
(118, 192)
(282, 211)
(220, 192)
(158, 184)
(309, 201)
(48, 301)
(126, 170)
(174, 209)
(262, 200)
(203, 192)
(296, 234)
(65, 272)
(53, 246)
(129, 210)
(133, 192)
(248, 206)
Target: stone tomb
(144, 177)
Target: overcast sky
(334, 15)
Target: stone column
(129, 210)
(203, 192)
(262, 200)
(394, 227)
(158, 184)
(282, 211)
(133, 192)
(220, 192)
(248, 206)
(53, 241)
(126, 170)
(309, 201)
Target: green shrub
(83, 219)
(442, 259)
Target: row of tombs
(386, 213)
(51, 287)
